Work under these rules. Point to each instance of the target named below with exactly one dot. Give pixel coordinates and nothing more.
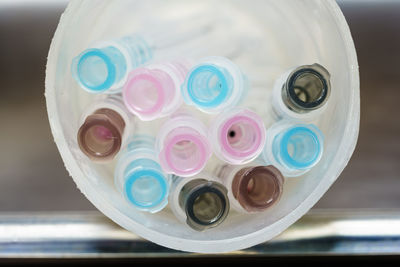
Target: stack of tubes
(166, 167)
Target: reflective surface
(91, 235)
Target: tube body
(104, 67)
(139, 177)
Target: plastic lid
(148, 92)
(215, 83)
(144, 93)
(185, 152)
(98, 69)
(300, 147)
(207, 86)
(307, 88)
(100, 136)
(146, 189)
(240, 137)
(257, 188)
(206, 204)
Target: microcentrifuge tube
(293, 148)
(237, 136)
(214, 84)
(182, 145)
(139, 177)
(103, 68)
(301, 93)
(252, 188)
(104, 128)
(153, 91)
(199, 201)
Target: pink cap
(184, 150)
(153, 91)
(239, 137)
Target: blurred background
(32, 174)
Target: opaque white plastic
(278, 35)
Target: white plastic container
(280, 35)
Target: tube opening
(95, 70)
(186, 154)
(241, 136)
(144, 94)
(205, 203)
(257, 188)
(263, 188)
(100, 136)
(307, 89)
(301, 147)
(146, 188)
(208, 207)
(207, 86)
(99, 139)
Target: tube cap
(238, 137)
(183, 146)
(257, 188)
(299, 147)
(146, 189)
(214, 84)
(206, 203)
(100, 136)
(153, 91)
(99, 69)
(293, 148)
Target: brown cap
(100, 136)
(257, 188)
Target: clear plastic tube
(302, 93)
(139, 177)
(104, 128)
(293, 148)
(253, 187)
(153, 91)
(182, 145)
(103, 68)
(237, 136)
(214, 84)
(200, 201)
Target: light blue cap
(98, 69)
(146, 187)
(299, 147)
(208, 86)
